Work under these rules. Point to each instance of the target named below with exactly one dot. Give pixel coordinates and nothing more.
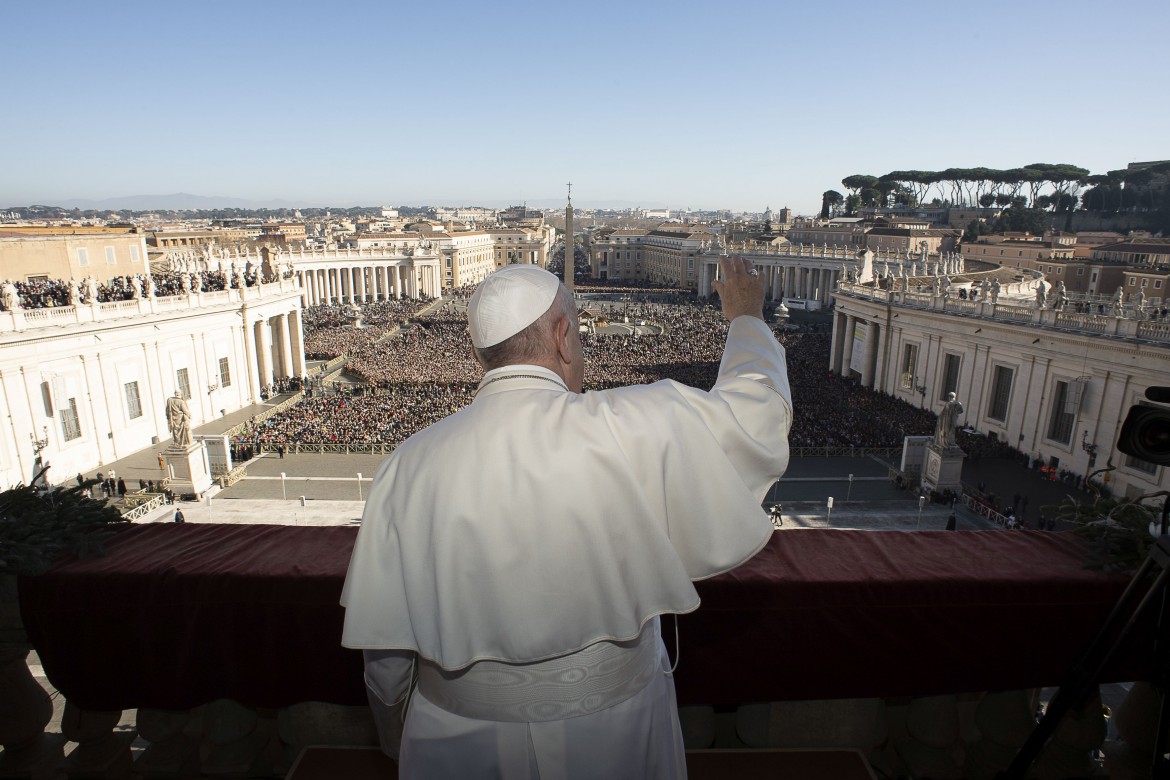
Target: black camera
(1145, 434)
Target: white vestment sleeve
(388, 679)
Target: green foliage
(1022, 220)
(1116, 532)
(975, 229)
(36, 526)
(830, 200)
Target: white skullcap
(508, 301)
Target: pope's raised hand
(741, 288)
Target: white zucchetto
(508, 301)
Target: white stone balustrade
(28, 319)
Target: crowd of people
(52, 293)
(420, 368)
(329, 330)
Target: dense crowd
(329, 332)
(424, 370)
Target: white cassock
(516, 555)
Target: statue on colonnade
(179, 420)
(948, 421)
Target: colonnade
(784, 280)
(275, 349)
(342, 283)
(851, 333)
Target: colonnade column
(396, 272)
(264, 352)
(297, 331)
(251, 367)
(869, 365)
(847, 345)
(838, 342)
(286, 350)
(384, 282)
(777, 282)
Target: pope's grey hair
(534, 344)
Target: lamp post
(283, 493)
(921, 503)
(359, 483)
(829, 514)
(40, 471)
(849, 492)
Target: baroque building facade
(1053, 384)
(92, 380)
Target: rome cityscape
(974, 320)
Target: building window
(70, 427)
(1132, 281)
(1080, 272)
(134, 255)
(133, 401)
(184, 384)
(950, 383)
(1062, 417)
(111, 258)
(82, 256)
(1145, 282)
(1144, 466)
(225, 373)
(909, 365)
(1001, 392)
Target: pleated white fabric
(537, 522)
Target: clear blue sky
(683, 104)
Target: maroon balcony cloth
(174, 616)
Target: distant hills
(185, 201)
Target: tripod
(1086, 672)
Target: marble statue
(1041, 294)
(995, 291)
(185, 283)
(179, 420)
(984, 289)
(151, 290)
(948, 421)
(74, 293)
(91, 290)
(8, 296)
(136, 287)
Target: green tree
(851, 204)
(1023, 220)
(859, 181)
(830, 201)
(975, 229)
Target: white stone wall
(93, 361)
(1115, 370)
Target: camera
(1145, 434)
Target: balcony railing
(1125, 322)
(226, 641)
(28, 319)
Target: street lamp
(39, 469)
(921, 503)
(829, 514)
(849, 492)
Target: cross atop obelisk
(569, 249)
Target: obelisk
(569, 241)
